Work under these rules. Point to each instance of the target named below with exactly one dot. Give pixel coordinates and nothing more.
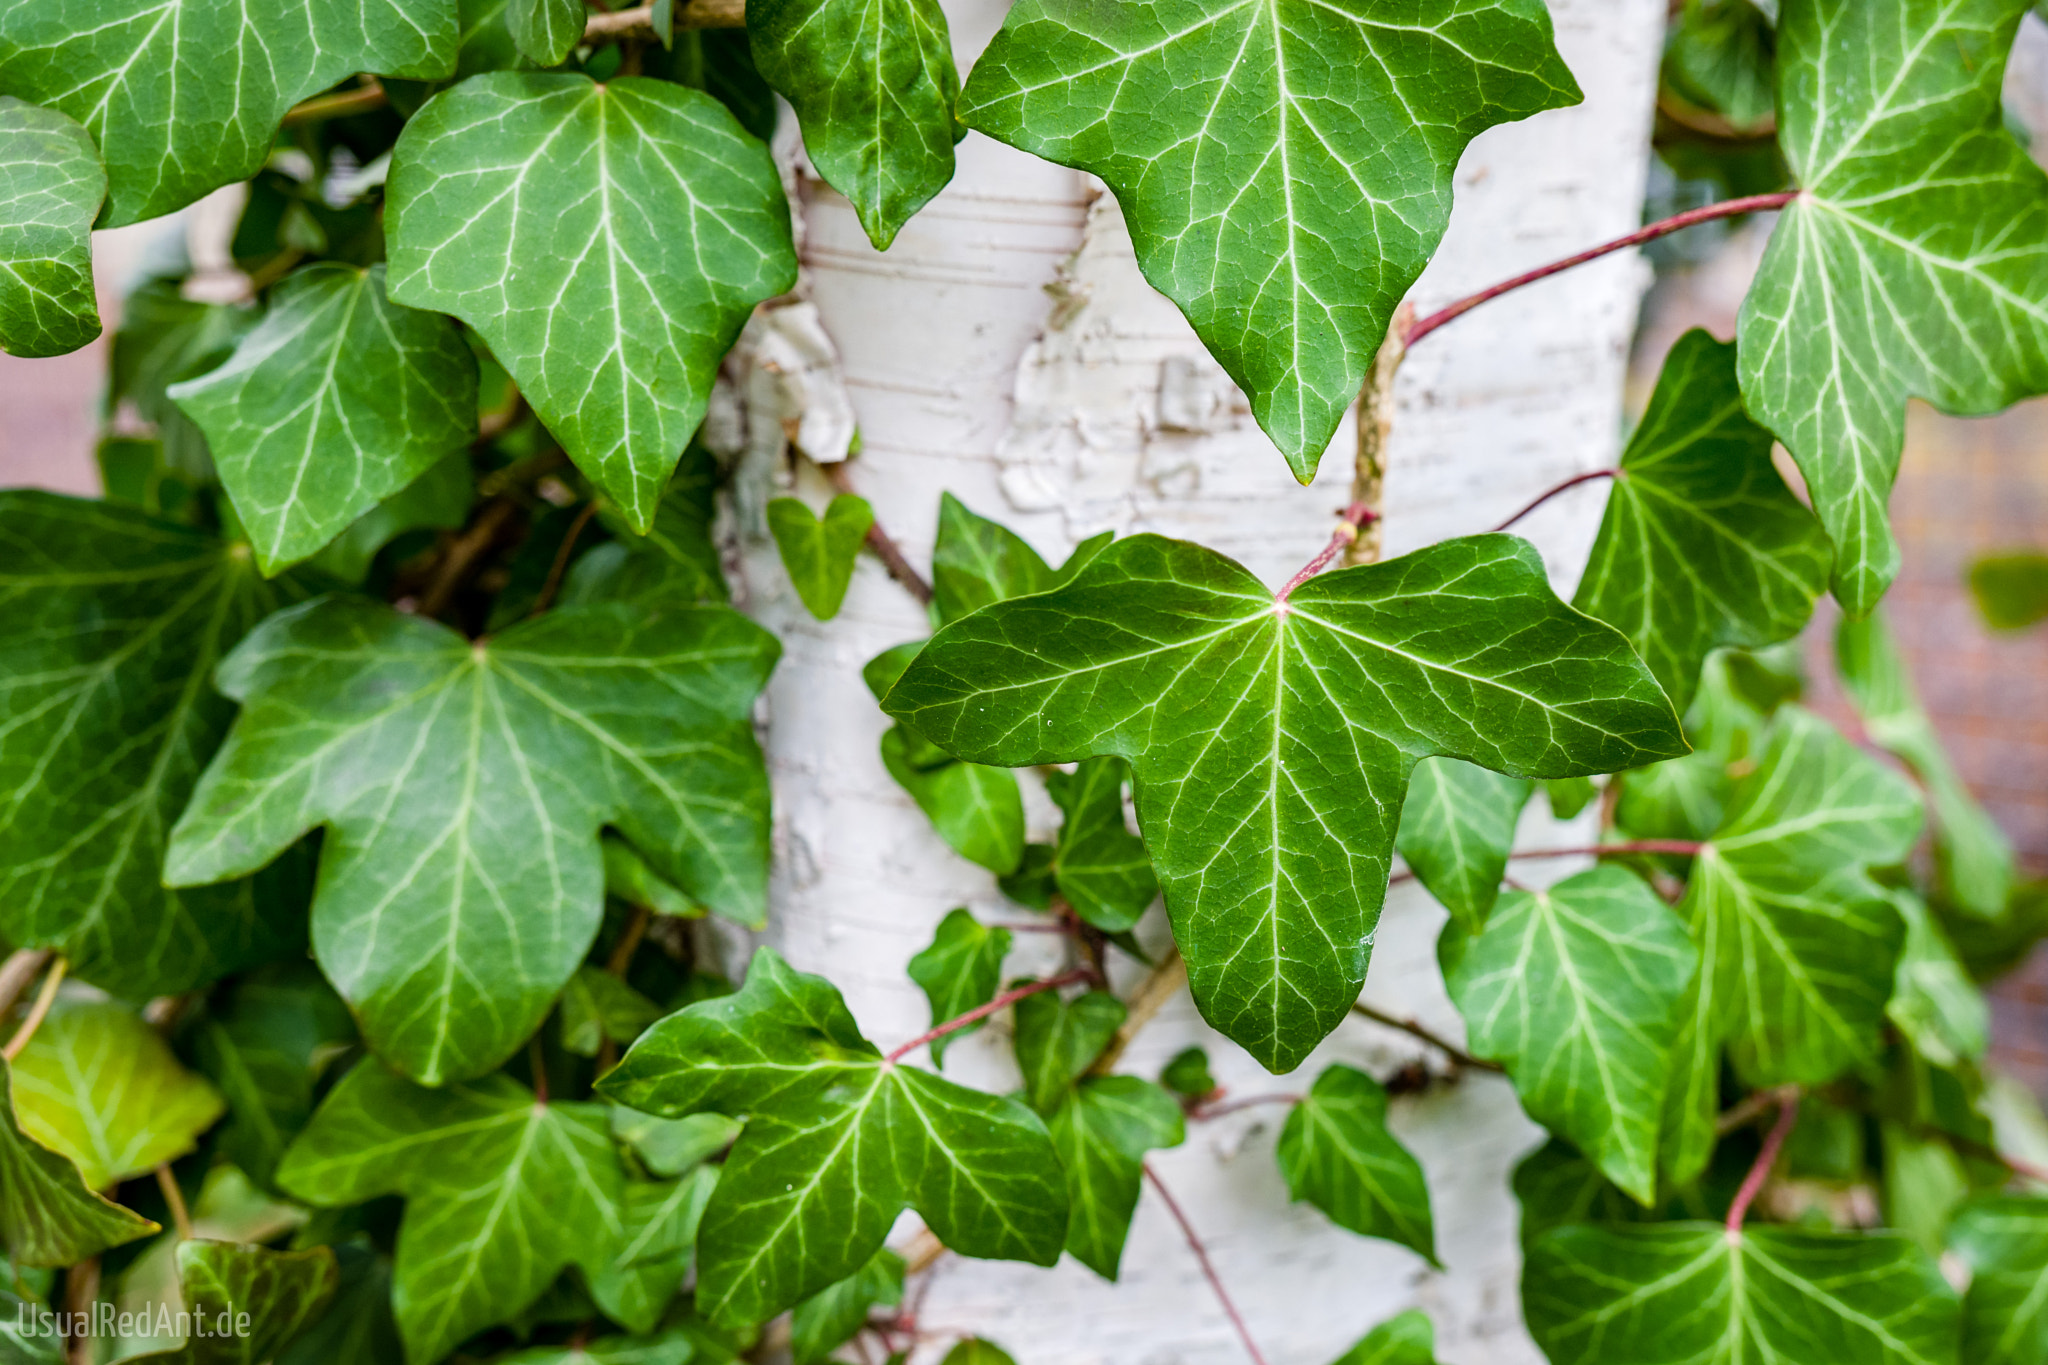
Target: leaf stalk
(44, 999)
(1006, 999)
(1564, 487)
(1774, 1142)
(1187, 1229)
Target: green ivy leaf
(459, 779)
(838, 1142)
(1337, 1154)
(546, 31)
(661, 1220)
(677, 560)
(502, 1192)
(1457, 828)
(975, 1351)
(265, 1042)
(1685, 798)
(1285, 166)
(184, 96)
(873, 85)
(1556, 1185)
(116, 621)
(337, 400)
(1567, 796)
(1798, 946)
(2005, 1313)
(1102, 1129)
(830, 1318)
(1702, 544)
(357, 1328)
(1719, 56)
(976, 809)
(165, 337)
(48, 1215)
(1690, 1292)
(51, 187)
(1576, 990)
(676, 1346)
(819, 552)
(1058, 1040)
(1913, 265)
(628, 876)
(669, 1147)
(597, 1006)
(1973, 859)
(98, 1085)
(679, 227)
(960, 971)
(250, 1301)
(1188, 1075)
(1272, 746)
(977, 563)
(1934, 1002)
(1407, 1339)
(1097, 864)
(438, 500)
(2011, 590)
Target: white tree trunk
(1006, 349)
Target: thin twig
(1007, 998)
(1774, 1142)
(553, 583)
(1351, 522)
(1566, 486)
(462, 555)
(44, 998)
(181, 1217)
(1202, 1113)
(1187, 1229)
(1437, 1041)
(341, 104)
(81, 1292)
(1685, 848)
(22, 966)
(884, 546)
(1159, 986)
(639, 21)
(1755, 203)
(629, 942)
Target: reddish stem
(1684, 848)
(2026, 1169)
(883, 546)
(1187, 1229)
(975, 1015)
(1566, 486)
(1731, 209)
(1349, 523)
(1201, 1113)
(1774, 1142)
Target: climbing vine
(373, 751)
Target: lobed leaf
(832, 1317)
(48, 1215)
(2005, 1313)
(1102, 1129)
(660, 1218)
(248, 1302)
(1457, 829)
(1098, 865)
(1058, 1040)
(1337, 1154)
(51, 188)
(960, 971)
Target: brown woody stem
(1415, 1030)
(1251, 1347)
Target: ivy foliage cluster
(372, 752)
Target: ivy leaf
(975, 1351)
(502, 1192)
(1057, 1041)
(248, 1302)
(1719, 56)
(2005, 1313)
(661, 1220)
(457, 780)
(1685, 798)
(1556, 1185)
(1407, 1339)
(337, 400)
(832, 1317)
(873, 86)
(670, 1147)
(1310, 146)
(1457, 829)
(1934, 1002)
(1576, 990)
(265, 1042)
(959, 971)
(1336, 1153)
(165, 337)
(1187, 1074)
(976, 809)
(819, 552)
(1973, 860)
(597, 1006)
(438, 500)
(1103, 1128)
(1690, 1292)
(627, 876)
(116, 620)
(676, 1346)
(1272, 745)
(184, 96)
(1567, 796)
(2011, 590)
(48, 1215)
(977, 563)
(679, 228)
(546, 30)
(676, 561)
(1798, 946)
(357, 1328)
(838, 1142)
(1913, 265)
(1098, 864)
(98, 1085)
(51, 187)
(1702, 544)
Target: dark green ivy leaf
(2005, 1313)
(337, 400)
(1934, 1002)
(1097, 864)
(1285, 165)
(670, 1147)
(959, 971)
(1576, 990)
(1691, 1293)
(1188, 1075)
(1272, 745)
(1103, 1128)
(975, 808)
(357, 1328)
(51, 185)
(1457, 828)
(546, 31)
(817, 552)
(458, 780)
(678, 228)
(661, 1218)
(675, 1346)
(977, 562)
(502, 1192)
(838, 1142)
(48, 1215)
(873, 85)
(1058, 1040)
(115, 622)
(1407, 1339)
(1703, 545)
(1719, 55)
(597, 1006)
(1556, 1185)
(164, 338)
(1913, 265)
(248, 1302)
(830, 1318)
(184, 96)
(1337, 1154)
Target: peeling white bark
(1006, 349)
